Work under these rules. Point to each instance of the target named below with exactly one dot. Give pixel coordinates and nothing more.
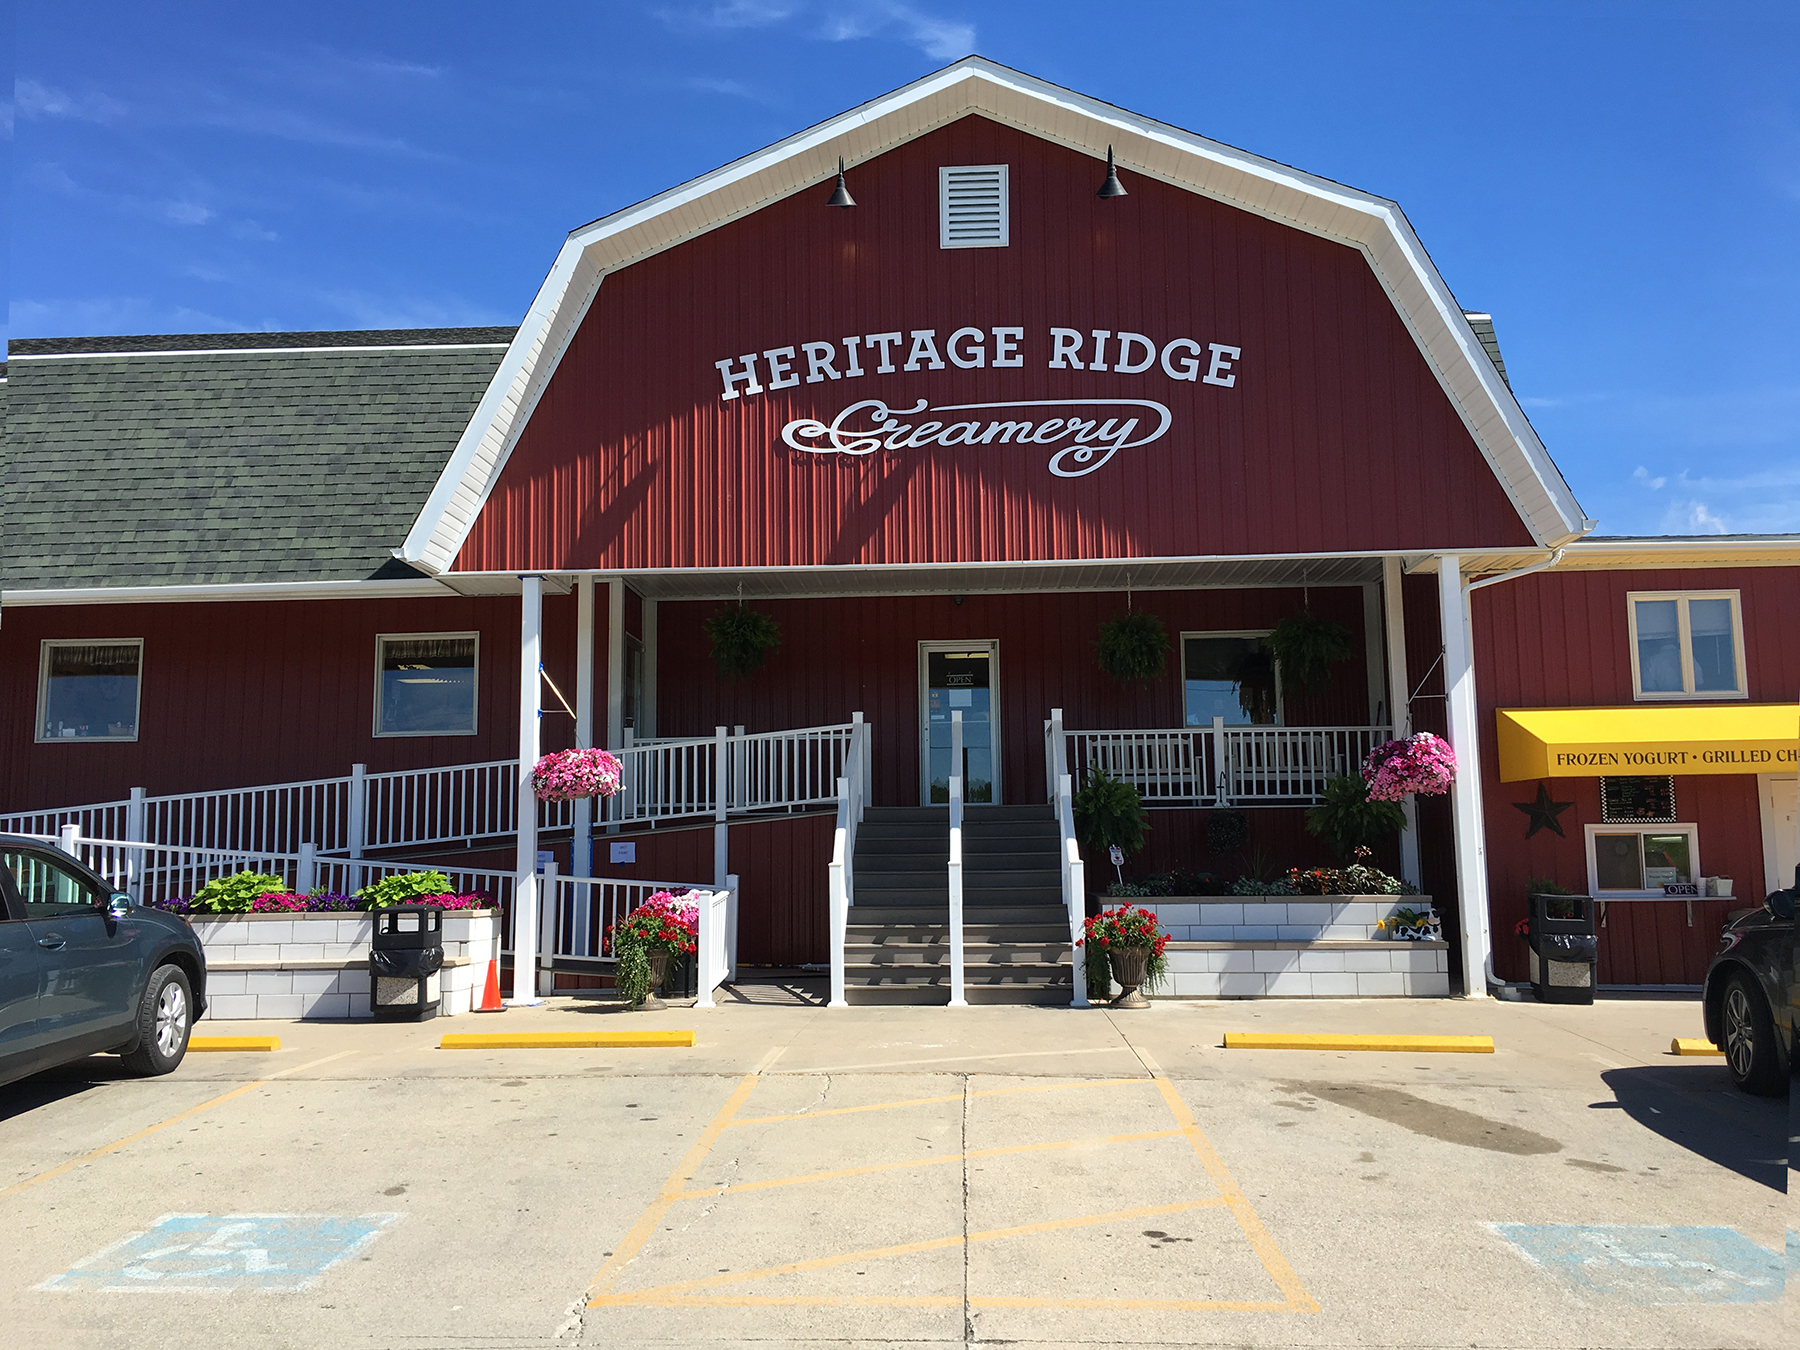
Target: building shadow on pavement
(1699, 1108)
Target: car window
(48, 887)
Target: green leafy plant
(403, 889)
(741, 640)
(1110, 811)
(1126, 926)
(1134, 646)
(1359, 878)
(1566, 909)
(1257, 886)
(1126, 890)
(1305, 648)
(1226, 829)
(235, 894)
(1348, 820)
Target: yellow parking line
(562, 1040)
(671, 1189)
(932, 1101)
(649, 1297)
(206, 1043)
(1260, 1241)
(146, 1132)
(709, 1192)
(1683, 1046)
(1281, 1040)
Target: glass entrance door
(959, 677)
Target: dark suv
(84, 969)
(1750, 992)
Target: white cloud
(188, 213)
(101, 315)
(33, 98)
(943, 39)
(1642, 475)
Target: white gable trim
(1372, 224)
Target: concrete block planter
(316, 966)
(1312, 946)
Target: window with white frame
(1625, 862)
(425, 684)
(1687, 644)
(88, 689)
(1229, 675)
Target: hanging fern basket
(1134, 646)
(1306, 647)
(741, 640)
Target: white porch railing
(669, 779)
(958, 996)
(1196, 766)
(852, 794)
(347, 817)
(1074, 874)
(717, 942)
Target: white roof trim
(1372, 224)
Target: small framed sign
(624, 850)
(1117, 855)
(1639, 801)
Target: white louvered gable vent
(972, 206)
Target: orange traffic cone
(490, 996)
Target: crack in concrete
(968, 1315)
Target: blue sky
(1618, 183)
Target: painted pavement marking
(933, 1101)
(149, 1130)
(1650, 1265)
(223, 1253)
(938, 1160)
(692, 1293)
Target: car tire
(1748, 1030)
(165, 1020)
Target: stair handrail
(957, 996)
(852, 788)
(1074, 881)
(1056, 753)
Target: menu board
(1643, 801)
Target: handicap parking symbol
(222, 1253)
(1651, 1265)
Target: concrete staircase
(1015, 932)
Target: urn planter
(1129, 965)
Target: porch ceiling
(1163, 574)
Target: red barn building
(938, 434)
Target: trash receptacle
(406, 952)
(1564, 948)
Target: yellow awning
(1652, 738)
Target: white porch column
(581, 860)
(1465, 794)
(647, 698)
(615, 668)
(1399, 714)
(525, 887)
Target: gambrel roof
(1375, 226)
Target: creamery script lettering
(1088, 431)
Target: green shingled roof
(129, 469)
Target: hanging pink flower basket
(1420, 763)
(565, 775)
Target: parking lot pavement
(891, 1176)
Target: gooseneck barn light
(1112, 187)
(840, 195)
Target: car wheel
(165, 1020)
(1750, 1051)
